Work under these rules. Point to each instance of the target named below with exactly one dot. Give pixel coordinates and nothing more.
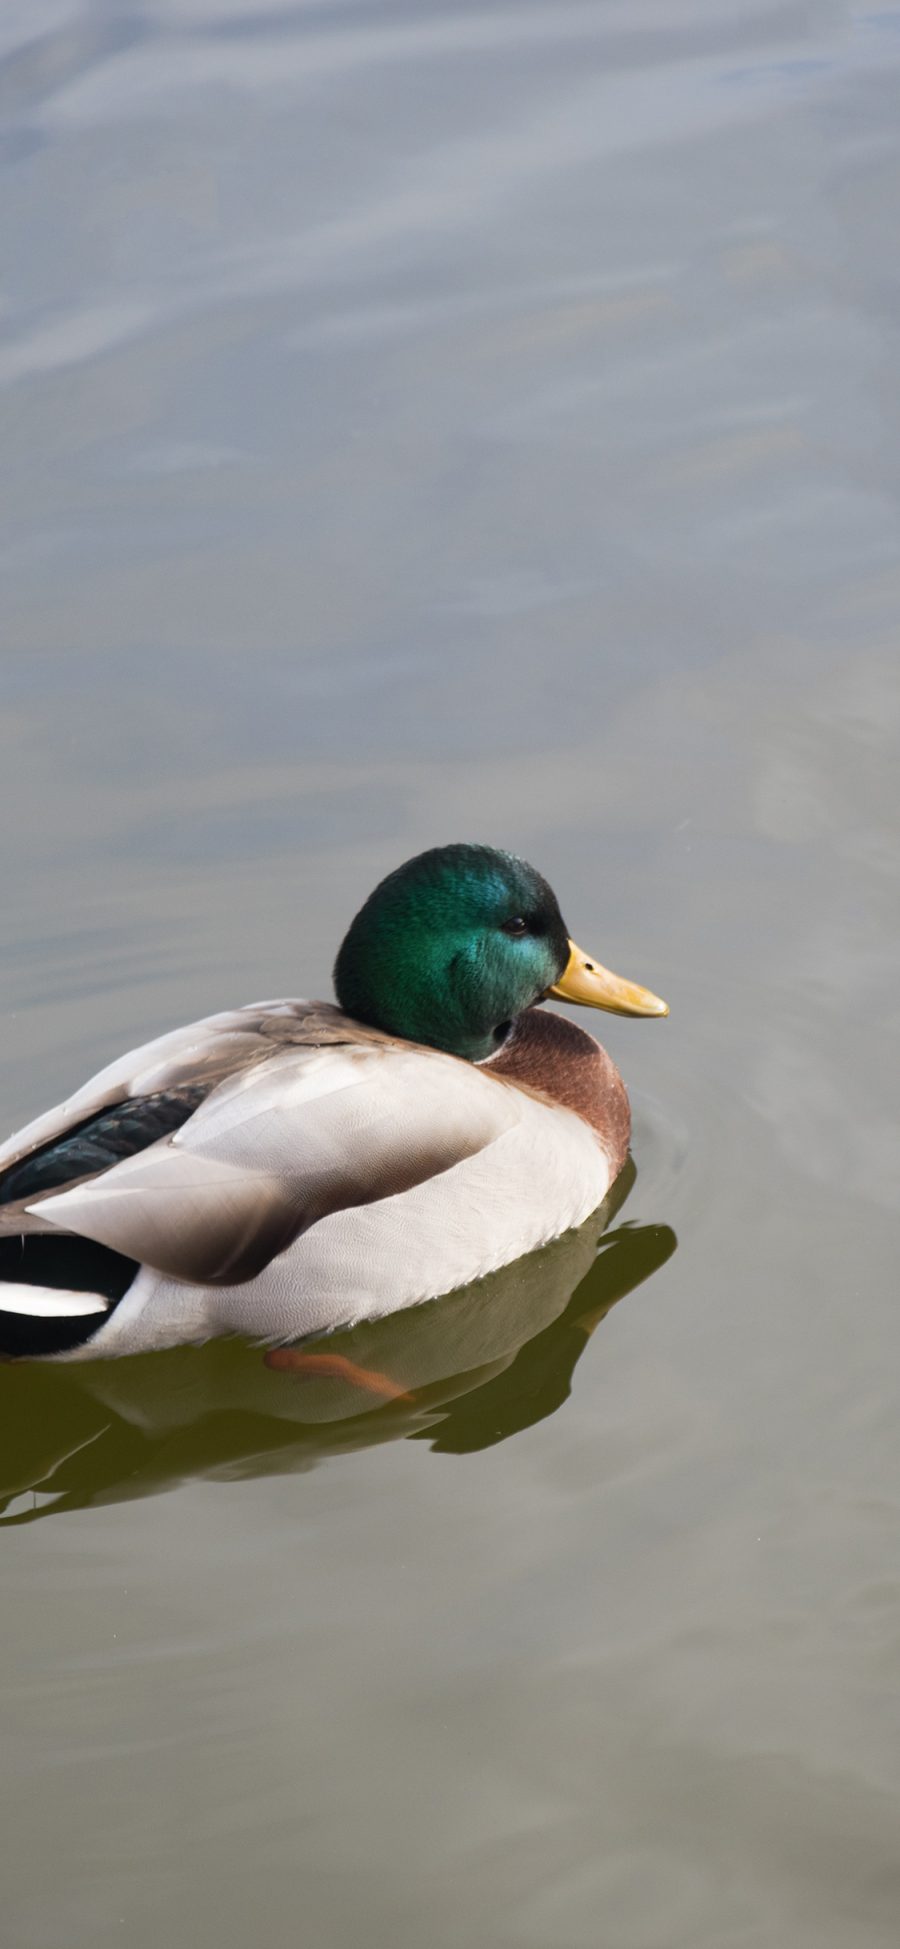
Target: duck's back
(525, 1187)
(333, 1175)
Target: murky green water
(437, 422)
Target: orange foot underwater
(334, 1367)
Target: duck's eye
(515, 926)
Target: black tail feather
(58, 1264)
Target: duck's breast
(548, 1053)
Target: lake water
(468, 421)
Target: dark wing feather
(148, 1094)
(99, 1141)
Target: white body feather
(399, 1174)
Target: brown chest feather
(547, 1052)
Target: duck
(290, 1167)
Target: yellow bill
(584, 980)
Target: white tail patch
(45, 1303)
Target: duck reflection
(463, 1373)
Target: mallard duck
(290, 1167)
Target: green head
(451, 947)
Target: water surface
(468, 422)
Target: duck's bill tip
(586, 981)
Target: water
(423, 423)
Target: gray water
(436, 422)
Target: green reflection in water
(472, 1369)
